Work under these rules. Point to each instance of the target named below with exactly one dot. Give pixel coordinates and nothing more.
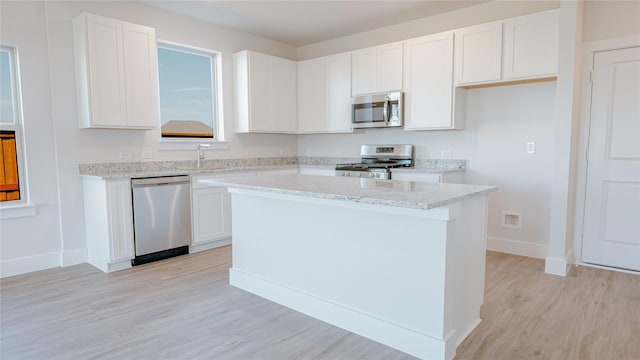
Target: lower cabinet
(211, 214)
(108, 222)
(454, 177)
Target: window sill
(17, 211)
(192, 144)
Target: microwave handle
(385, 111)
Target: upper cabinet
(377, 69)
(116, 73)
(478, 54)
(264, 93)
(324, 94)
(531, 46)
(529, 50)
(428, 79)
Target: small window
(10, 128)
(188, 93)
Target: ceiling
(303, 22)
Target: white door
(612, 203)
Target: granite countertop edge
(471, 191)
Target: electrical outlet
(531, 147)
(511, 219)
(125, 155)
(147, 154)
(445, 154)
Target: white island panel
(410, 278)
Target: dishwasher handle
(159, 181)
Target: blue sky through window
(185, 87)
(6, 99)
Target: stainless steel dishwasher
(161, 217)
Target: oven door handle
(385, 111)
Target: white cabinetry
(479, 54)
(531, 46)
(455, 177)
(108, 222)
(265, 93)
(116, 73)
(428, 81)
(210, 214)
(324, 94)
(377, 69)
(529, 50)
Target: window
(10, 129)
(189, 104)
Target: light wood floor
(183, 308)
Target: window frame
(18, 128)
(169, 143)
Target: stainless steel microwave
(377, 110)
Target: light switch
(531, 147)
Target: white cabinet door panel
(479, 54)
(312, 95)
(339, 92)
(265, 89)
(211, 214)
(141, 69)
(390, 67)
(377, 69)
(428, 67)
(106, 72)
(121, 219)
(365, 71)
(116, 73)
(531, 46)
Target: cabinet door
(260, 92)
(364, 64)
(211, 214)
(416, 176)
(120, 219)
(141, 75)
(428, 67)
(105, 76)
(531, 46)
(339, 90)
(389, 67)
(283, 96)
(478, 54)
(312, 95)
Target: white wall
(31, 243)
(610, 19)
(499, 123)
(44, 32)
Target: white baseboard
(29, 264)
(396, 336)
(74, 257)
(517, 247)
(555, 266)
(209, 245)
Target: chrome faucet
(200, 154)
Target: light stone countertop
(126, 170)
(406, 194)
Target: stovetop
(371, 166)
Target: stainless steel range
(377, 161)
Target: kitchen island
(401, 263)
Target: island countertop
(406, 194)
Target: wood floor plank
(184, 308)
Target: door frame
(589, 51)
